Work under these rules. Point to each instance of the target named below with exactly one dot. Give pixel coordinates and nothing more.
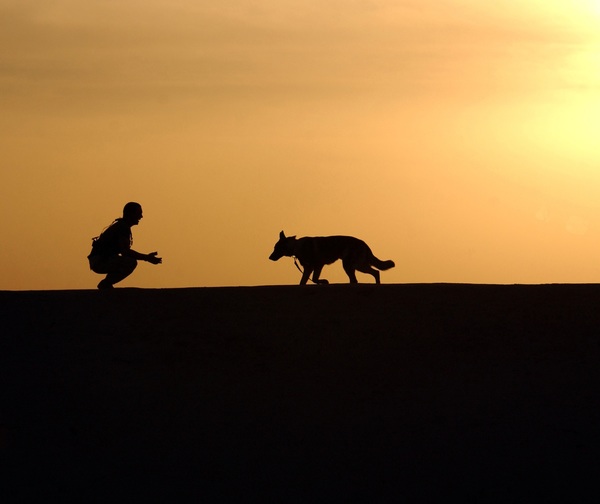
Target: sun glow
(592, 6)
(583, 68)
(457, 137)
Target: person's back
(112, 253)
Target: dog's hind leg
(350, 271)
(371, 271)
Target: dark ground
(390, 393)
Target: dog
(315, 252)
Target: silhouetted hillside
(390, 393)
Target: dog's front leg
(317, 274)
(305, 275)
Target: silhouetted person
(112, 254)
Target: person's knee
(129, 264)
(124, 266)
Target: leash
(300, 269)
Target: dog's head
(284, 247)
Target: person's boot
(105, 284)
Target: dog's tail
(383, 265)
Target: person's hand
(151, 258)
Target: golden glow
(458, 138)
(592, 6)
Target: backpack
(106, 243)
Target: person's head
(132, 213)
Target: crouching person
(112, 254)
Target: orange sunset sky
(457, 137)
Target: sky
(456, 137)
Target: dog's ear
(282, 236)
